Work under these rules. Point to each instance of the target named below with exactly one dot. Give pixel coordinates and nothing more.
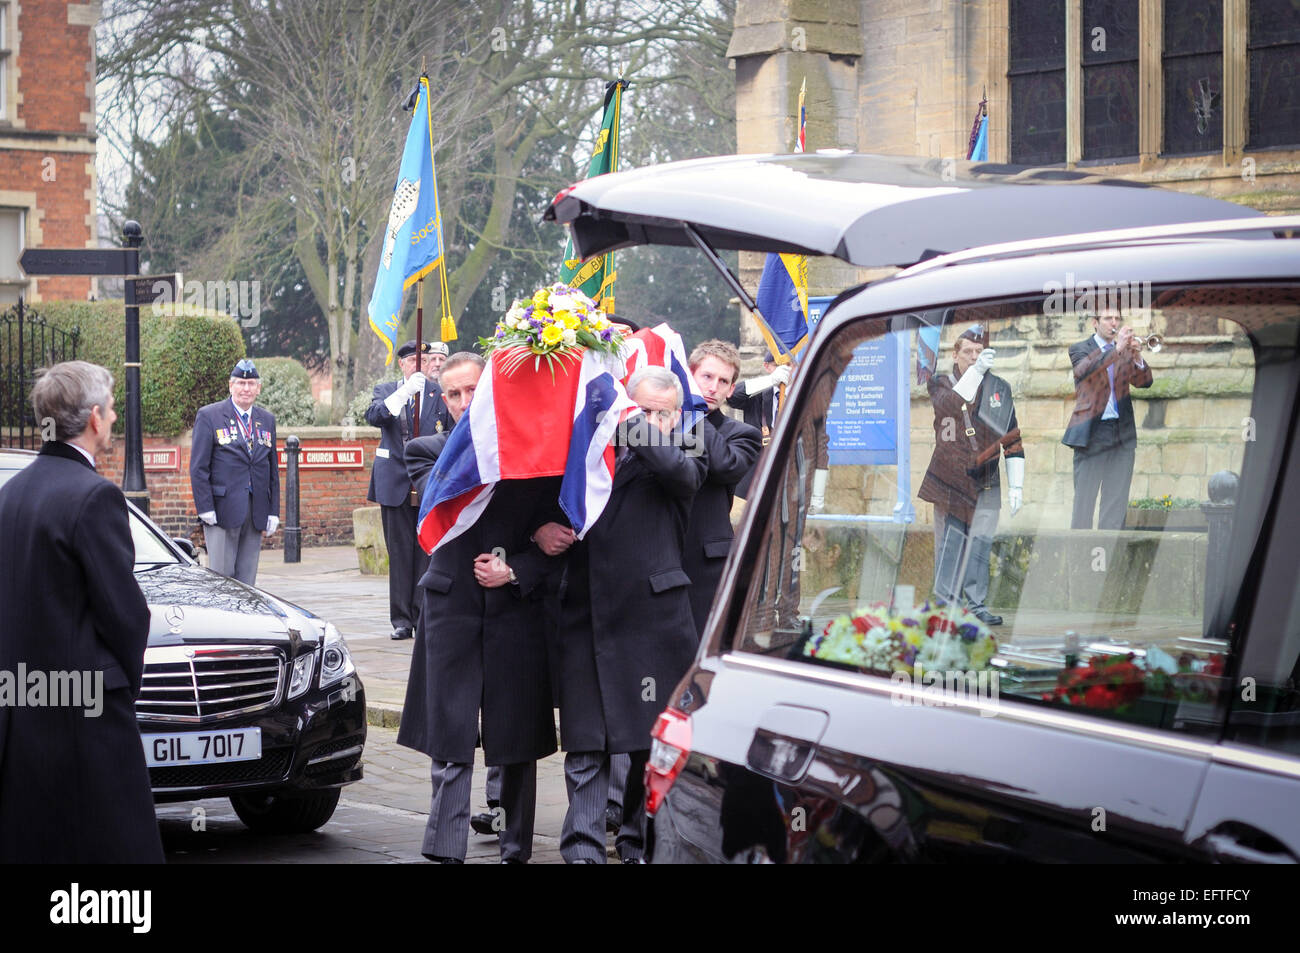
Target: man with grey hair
(235, 476)
(627, 634)
(74, 787)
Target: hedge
(286, 391)
(185, 360)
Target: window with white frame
(13, 223)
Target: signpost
(123, 261)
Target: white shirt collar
(1101, 342)
(83, 451)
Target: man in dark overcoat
(1102, 431)
(732, 448)
(974, 426)
(235, 476)
(627, 634)
(756, 399)
(74, 787)
(480, 647)
(392, 410)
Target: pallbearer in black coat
(627, 635)
(480, 650)
(74, 788)
(732, 449)
(756, 398)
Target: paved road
(380, 819)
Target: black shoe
(633, 860)
(402, 632)
(988, 618)
(613, 818)
(435, 859)
(513, 860)
(482, 823)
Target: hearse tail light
(336, 661)
(670, 746)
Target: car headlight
(336, 661)
(300, 677)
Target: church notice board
(862, 422)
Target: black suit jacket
(390, 485)
(478, 648)
(627, 635)
(73, 789)
(732, 448)
(1092, 392)
(759, 411)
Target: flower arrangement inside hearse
(936, 636)
(554, 324)
(1148, 687)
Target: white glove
(756, 385)
(969, 383)
(984, 363)
(272, 523)
(817, 502)
(397, 399)
(414, 384)
(1015, 483)
(210, 517)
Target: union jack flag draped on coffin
(524, 424)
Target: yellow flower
(551, 334)
(540, 298)
(568, 320)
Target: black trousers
(407, 562)
(1105, 466)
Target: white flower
(514, 315)
(563, 302)
(569, 337)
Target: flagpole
(419, 350)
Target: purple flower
(911, 623)
(968, 632)
(606, 335)
(534, 322)
(909, 656)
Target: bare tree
(316, 87)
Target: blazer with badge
(968, 441)
(390, 484)
(73, 789)
(1092, 392)
(223, 467)
(732, 447)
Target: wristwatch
(514, 580)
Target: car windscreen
(1071, 512)
(149, 549)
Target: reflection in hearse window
(1084, 463)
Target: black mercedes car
(245, 695)
(1139, 697)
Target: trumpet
(1152, 343)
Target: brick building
(47, 139)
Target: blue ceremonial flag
(782, 301)
(413, 237)
(980, 151)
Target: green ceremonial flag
(595, 278)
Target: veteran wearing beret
(235, 476)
